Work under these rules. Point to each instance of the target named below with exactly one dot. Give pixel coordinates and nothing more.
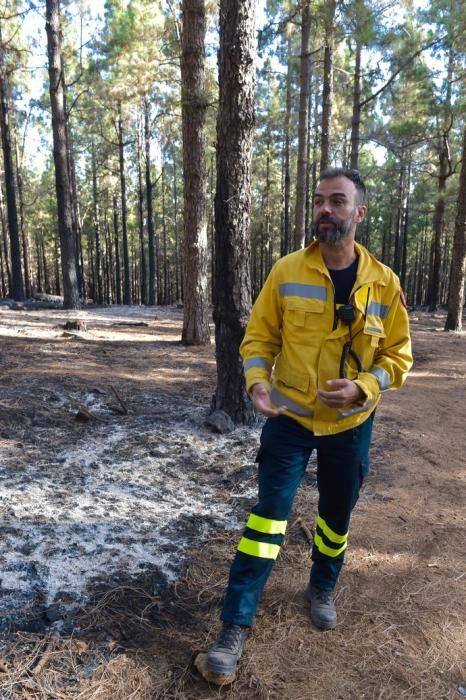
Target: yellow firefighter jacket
(293, 341)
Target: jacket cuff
(257, 378)
(368, 383)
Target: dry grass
(400, 635)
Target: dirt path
(155, 480)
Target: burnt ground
(120, 511)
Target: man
(332, 324)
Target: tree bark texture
(286, 242)
(152, 281)
(458, 268)
(17, 284)
(235, 130)
(124, 213)
(303, 134)
(327, 88)
(356, 118)
(437, 225)
(60, 155)
(194, 107)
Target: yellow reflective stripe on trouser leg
(322, 547)
(258, 549)
(328, 532)
(266, 525)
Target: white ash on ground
(119, 495)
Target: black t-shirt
(343, 281)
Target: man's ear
(361, 213)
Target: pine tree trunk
(303, 134)
(356, 118)
(235, 130)
(116, 238)
(437, 226)
(60, 154)
(194, 107)
(124, 215)
(23, 229)
(150, 210)
(142, 254)
(456, 294)
(286, 238)
(165, 300)
(327, 88)
(98, 244)
(4, 226)
(17, 285)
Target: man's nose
(325, 208)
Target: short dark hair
(353, 175)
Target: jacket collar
(369, 268)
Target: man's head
(339, 205)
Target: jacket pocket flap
(291, 378)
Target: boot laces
(324, 597)
(230, 637)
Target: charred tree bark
(303, 133)
(456, 294)
(194, 107)
(60, 155)
(235, 129)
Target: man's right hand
(261, 400)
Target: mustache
(327, 219)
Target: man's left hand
(345, 393)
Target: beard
(336, 233)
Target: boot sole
(211, 676)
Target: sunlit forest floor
(120, 511)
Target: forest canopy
(378, 86)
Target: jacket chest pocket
(303, 320)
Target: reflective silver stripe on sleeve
(257, 362)
(281, 400)
(382, 377)
(309, 291)
(353, 411)
(374, 329)
(375, 308)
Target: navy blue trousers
(285, 448)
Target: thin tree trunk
(194, 107)
(437, 226)
(124, 214)
(286, 239)
(60, 154)
(235, 130)
(143, 281)
(4, 226)
(22, 225)
(456, 294)
(116, 238)
(150, 210)
(327, 89)
(303, 134)
(17, 284)
(356, 118)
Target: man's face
(336, 210)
